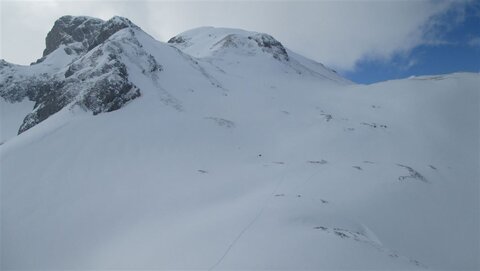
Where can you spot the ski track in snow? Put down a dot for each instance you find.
(250, 224)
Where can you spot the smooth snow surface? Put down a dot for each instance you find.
(239, 162)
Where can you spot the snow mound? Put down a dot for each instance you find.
(210, 41)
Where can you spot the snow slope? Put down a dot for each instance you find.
(11, 117)
(235, 159)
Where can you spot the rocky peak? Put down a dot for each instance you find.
(95, 79)
(85, 31)
(69, 29)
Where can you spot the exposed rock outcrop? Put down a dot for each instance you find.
(97, 79)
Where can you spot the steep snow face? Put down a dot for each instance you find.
(237, 162)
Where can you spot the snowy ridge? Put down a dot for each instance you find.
(236, 46)
(84, 64)
(202, 154)
(208, 41)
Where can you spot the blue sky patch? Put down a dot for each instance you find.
(456, 50)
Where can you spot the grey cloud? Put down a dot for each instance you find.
(338, 34)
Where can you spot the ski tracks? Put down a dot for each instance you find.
(249, 225)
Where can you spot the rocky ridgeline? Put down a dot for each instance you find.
(85, 63)
(96, 79)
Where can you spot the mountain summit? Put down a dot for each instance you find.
(223, 149)
(82, 33)
(79, 66)
(84, 63)
(207, 41)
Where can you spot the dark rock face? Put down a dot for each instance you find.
(111, 92)
(49, 99)
(105, 89)
(14, 86)
(270, 45)
(88, 32)
(70, 29)
(107, 96)
(176, 39)
(109, 28)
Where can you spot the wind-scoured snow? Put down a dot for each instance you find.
(231, 158)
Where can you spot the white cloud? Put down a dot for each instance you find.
(338, 34)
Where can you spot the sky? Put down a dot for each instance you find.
(365, 41)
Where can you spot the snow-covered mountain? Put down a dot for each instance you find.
(222, 149)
